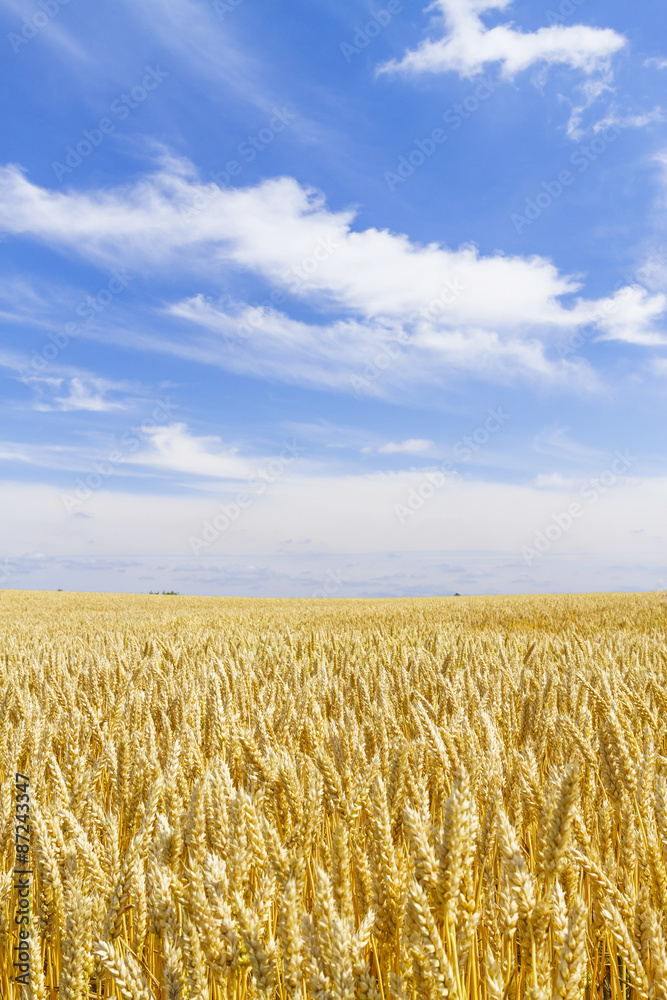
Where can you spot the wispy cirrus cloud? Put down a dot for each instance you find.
(636, 120)
(89, 394)
(70, 390)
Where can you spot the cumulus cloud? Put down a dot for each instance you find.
(284, 232)
(379, 302)
(172, 447)
(632, 315)
(467, 46)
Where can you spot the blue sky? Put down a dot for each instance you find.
(359, 299)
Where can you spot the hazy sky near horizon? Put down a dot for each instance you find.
(346, 298)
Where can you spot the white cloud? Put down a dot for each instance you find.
(591, 90)
(88, 394)
(165, 448)
(373, 292)
(629, 121)
(69, 389)
(631, 316)
(46, 456)
(468, 46)
(344, 514)
(285, 233)
(557, 443)
(554, 481)
(413, 446)
(367, 357)
(266, 342)
(172, 447)
(10, 453)
(20, 302)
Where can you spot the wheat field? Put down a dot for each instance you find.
(333, 799)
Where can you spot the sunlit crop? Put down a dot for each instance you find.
(461, 797)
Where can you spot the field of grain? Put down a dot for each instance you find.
(461, 797)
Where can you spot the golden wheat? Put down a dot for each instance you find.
(438, 798)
